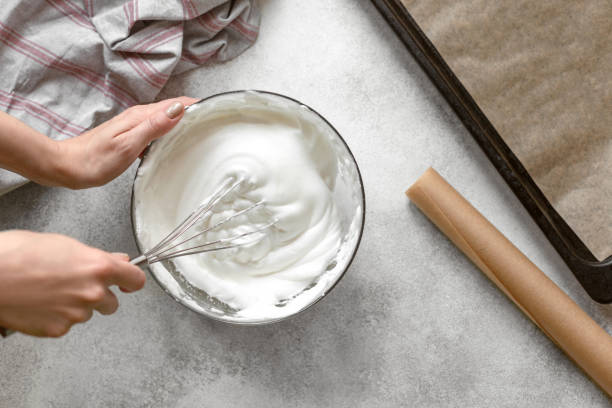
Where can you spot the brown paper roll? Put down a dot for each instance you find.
(558, 316)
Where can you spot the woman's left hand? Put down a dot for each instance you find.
(103, 153)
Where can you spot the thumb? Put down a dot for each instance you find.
(157, 124)
(122, 257)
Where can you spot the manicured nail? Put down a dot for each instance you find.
(174, 110)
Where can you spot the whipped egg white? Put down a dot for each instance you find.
(284, 162)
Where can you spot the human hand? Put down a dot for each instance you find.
(103, 153)
(50, 282)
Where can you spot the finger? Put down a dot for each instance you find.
(88, 316)
(109, 303)
(132, 117)
(185, 100)
(127, 276)
(56, 327)
(151, 108)
(154, 126)
(188, 100)
(78, 315)
(121, 256)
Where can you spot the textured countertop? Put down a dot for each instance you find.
(412, 323)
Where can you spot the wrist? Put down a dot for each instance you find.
(48, 167)
(61, 166)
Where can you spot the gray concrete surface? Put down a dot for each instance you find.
(412, 323)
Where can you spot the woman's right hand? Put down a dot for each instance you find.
(49, 282)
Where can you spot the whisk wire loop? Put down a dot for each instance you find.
(168, 248)
(197, 214)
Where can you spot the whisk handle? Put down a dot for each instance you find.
(138, 260)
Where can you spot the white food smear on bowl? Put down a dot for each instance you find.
(285, 160)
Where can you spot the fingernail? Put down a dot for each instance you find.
(121, 255)
(174, 110)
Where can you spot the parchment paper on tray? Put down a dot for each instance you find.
(541, 72)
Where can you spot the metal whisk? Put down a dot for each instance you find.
(170, 246)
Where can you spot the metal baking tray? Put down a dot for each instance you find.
(594, 276)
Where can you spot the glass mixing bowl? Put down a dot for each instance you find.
(349, 197)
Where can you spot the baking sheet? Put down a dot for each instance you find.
(540, 72)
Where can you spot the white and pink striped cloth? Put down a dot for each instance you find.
(68, 65)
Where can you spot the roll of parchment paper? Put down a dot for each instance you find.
(558, 316)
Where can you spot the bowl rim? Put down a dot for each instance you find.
(340, 276)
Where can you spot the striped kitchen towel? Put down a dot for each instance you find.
(68, 65)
